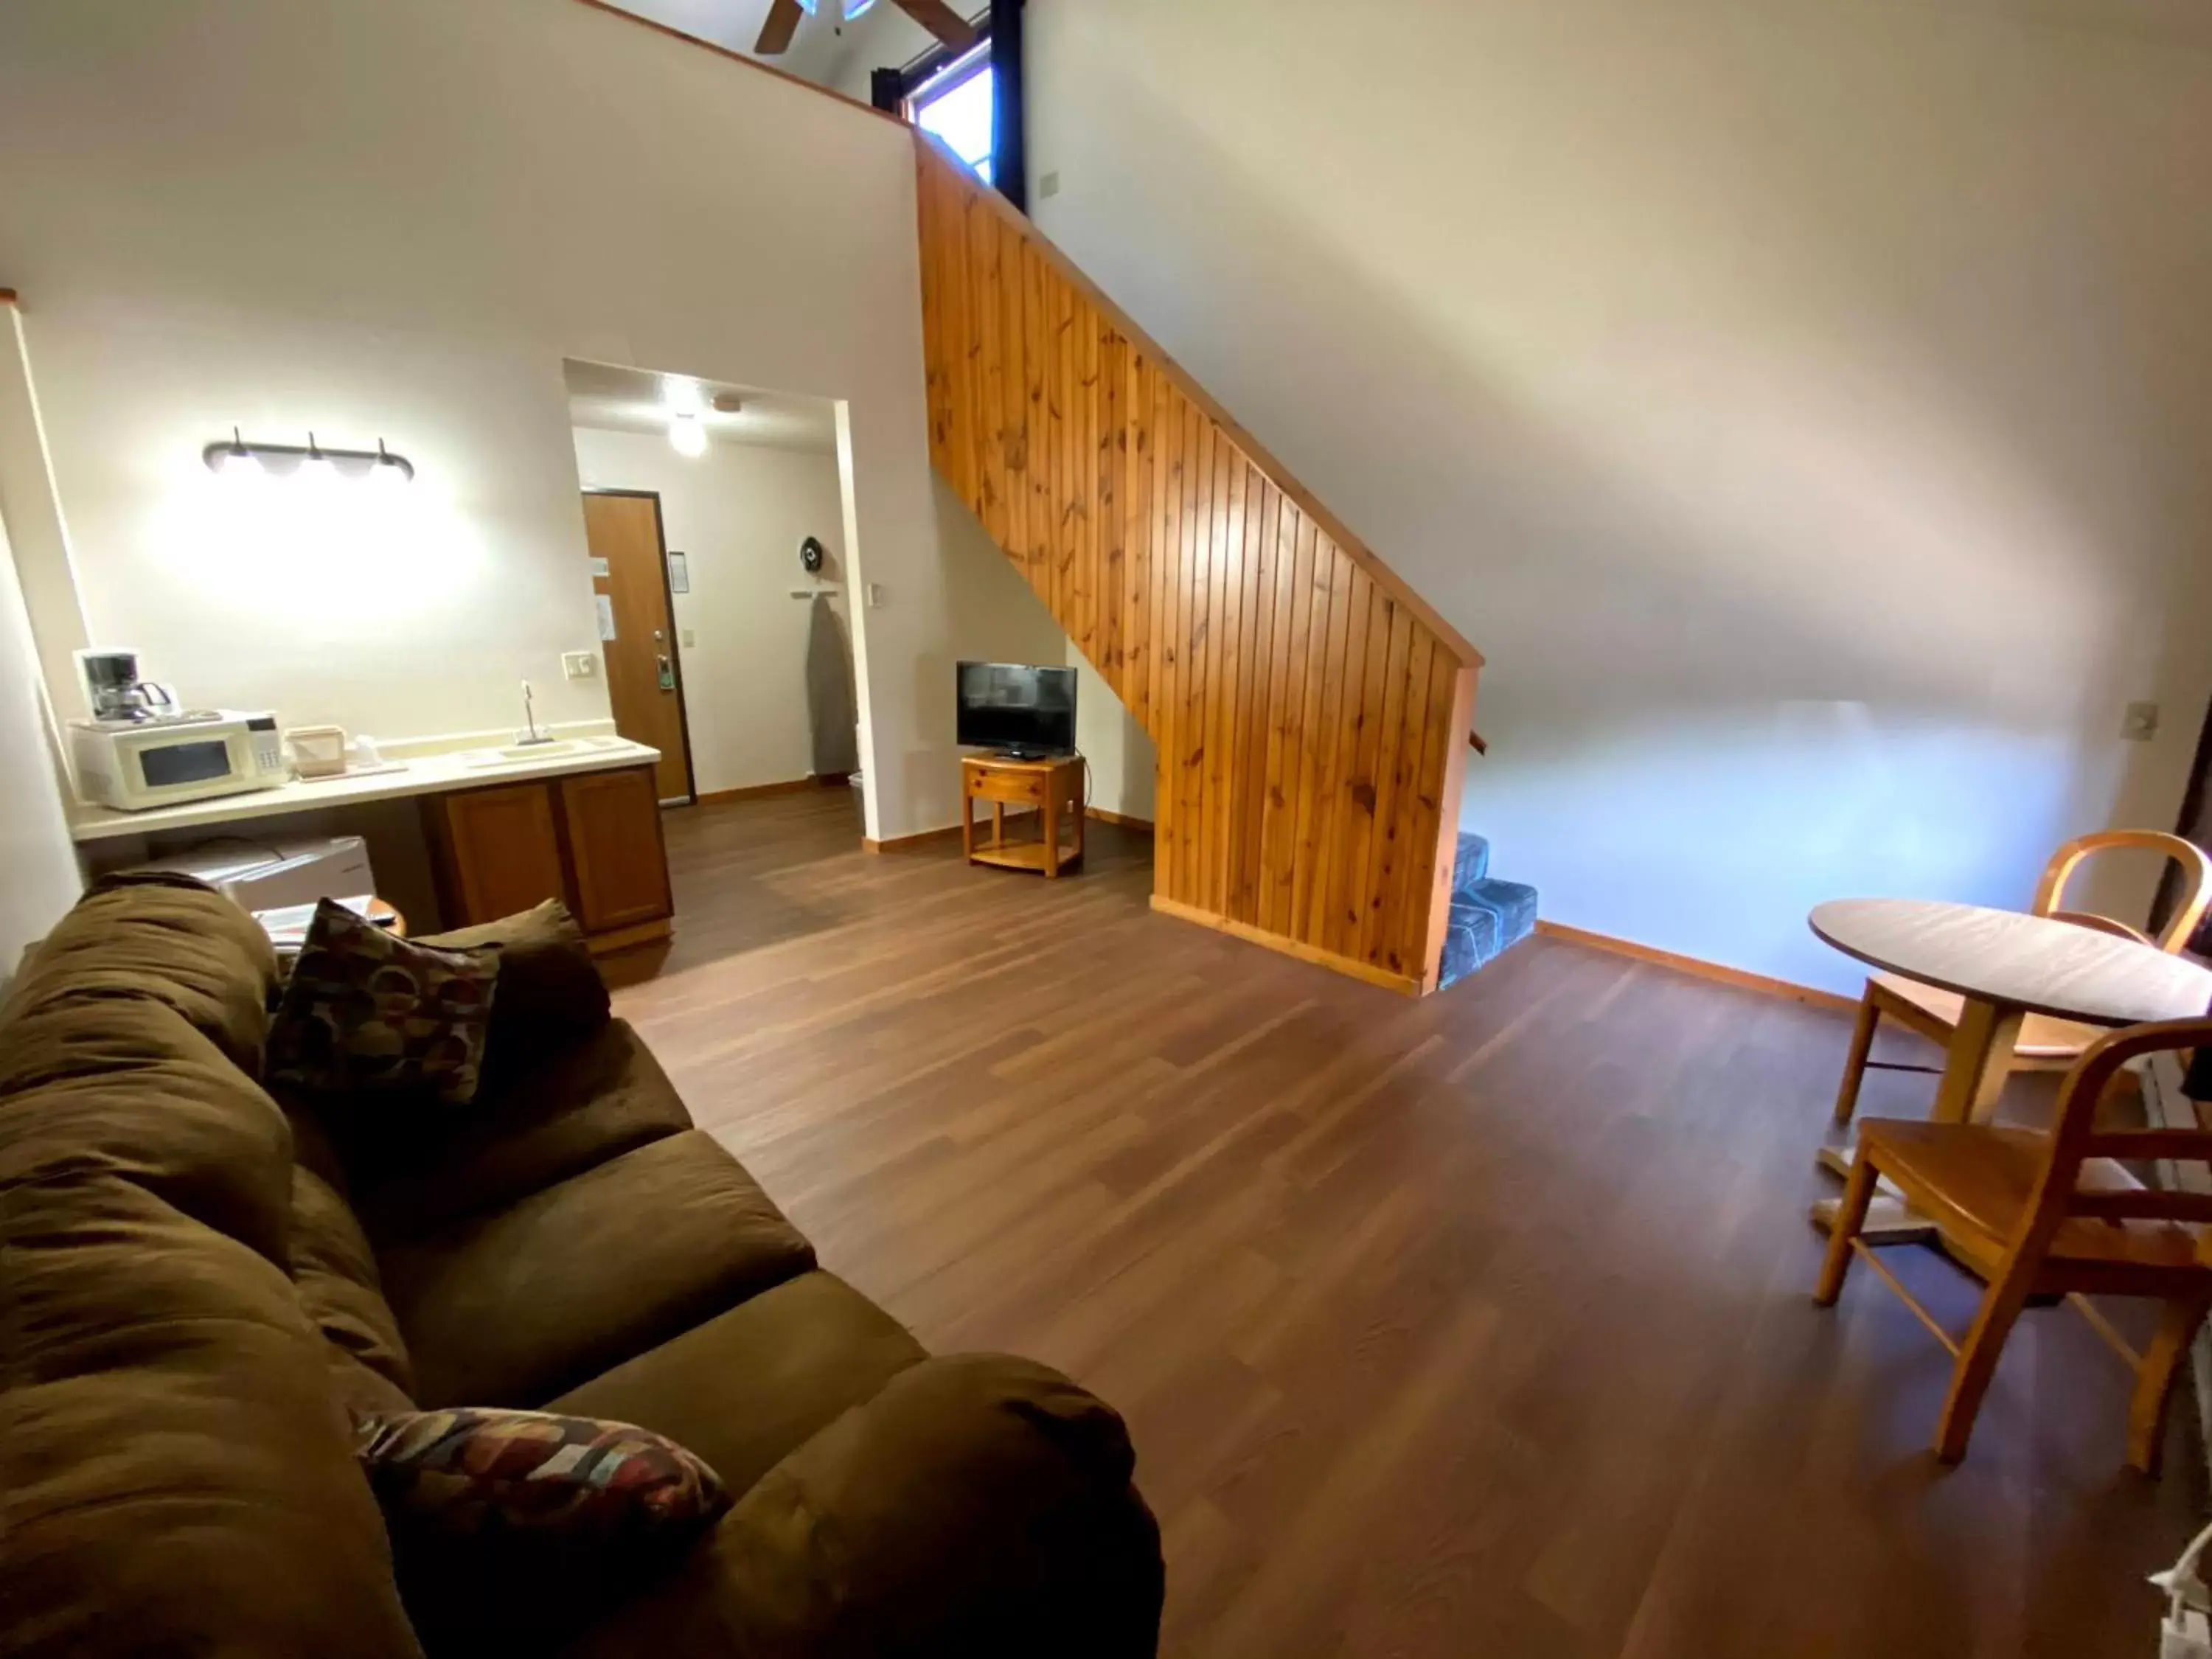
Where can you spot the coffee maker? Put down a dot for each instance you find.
(117, 695)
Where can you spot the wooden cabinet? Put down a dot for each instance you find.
(501, 849)
(591, 840)
(614, 851)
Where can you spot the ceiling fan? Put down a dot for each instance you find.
(939, 18)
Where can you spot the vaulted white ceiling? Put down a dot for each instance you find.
(827, 51)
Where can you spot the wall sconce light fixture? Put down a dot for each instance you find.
(236, 455)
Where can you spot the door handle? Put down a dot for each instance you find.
(667, 675)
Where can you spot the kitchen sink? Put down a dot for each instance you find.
(561, 749)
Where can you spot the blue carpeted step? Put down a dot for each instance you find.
(1472, 864)
(1488, 919)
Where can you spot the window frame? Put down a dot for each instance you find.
(944, 80)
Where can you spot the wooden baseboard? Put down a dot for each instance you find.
(628, 938)
(910, 843)
(1401, 983)
(1127, 822)
(788, 787)
(1698, 966)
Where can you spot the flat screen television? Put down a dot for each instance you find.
(1017, 709)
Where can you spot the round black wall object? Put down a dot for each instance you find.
(811, 554)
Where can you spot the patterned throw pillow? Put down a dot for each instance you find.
(367, 1010)
(480, 1471)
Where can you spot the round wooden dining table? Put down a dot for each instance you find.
(2007, 965)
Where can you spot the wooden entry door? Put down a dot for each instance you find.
(644, 676)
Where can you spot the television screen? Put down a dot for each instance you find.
(1018, 708)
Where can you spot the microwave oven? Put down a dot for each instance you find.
(134, 766)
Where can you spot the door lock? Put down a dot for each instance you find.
(667, 675)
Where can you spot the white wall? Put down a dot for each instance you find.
(397, 221)
(1805, 407)
(993, 615)
(38, 865)
(1124, 761)
(738, 513)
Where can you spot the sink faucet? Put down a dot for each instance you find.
(530, 733)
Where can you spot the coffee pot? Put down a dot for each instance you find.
(116, 693)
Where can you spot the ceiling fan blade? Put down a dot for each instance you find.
(941, 21)
(782, 23)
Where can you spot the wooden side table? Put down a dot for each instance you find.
(1054, 788)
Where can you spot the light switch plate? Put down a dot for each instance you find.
(1048, 185)
(875, 596)
(2141, 723)
(580, 665)
(690, 637)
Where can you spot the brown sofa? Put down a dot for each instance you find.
(197, 1284)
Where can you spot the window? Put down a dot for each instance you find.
(960, 106)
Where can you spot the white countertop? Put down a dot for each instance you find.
(431, 774)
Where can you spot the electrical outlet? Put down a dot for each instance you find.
(579, 665)
(2141, 723)
(1048, 185)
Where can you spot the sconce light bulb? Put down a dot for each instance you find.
(234, 459)
(388, 471)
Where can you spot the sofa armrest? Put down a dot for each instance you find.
(979, 1506)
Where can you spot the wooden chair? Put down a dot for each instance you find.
(2045, 1044)
(2039, 1215)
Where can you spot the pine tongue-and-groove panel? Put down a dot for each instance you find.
(1310, 711)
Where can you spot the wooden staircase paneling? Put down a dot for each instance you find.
(1311, 712)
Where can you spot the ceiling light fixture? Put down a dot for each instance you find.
(687, 436)
(852, 9)
(236, 455)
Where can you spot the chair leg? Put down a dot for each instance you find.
(1977, 1364)
(1850, 1216)
(2161, 1362)
(1847, 1093)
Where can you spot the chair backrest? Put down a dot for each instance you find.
(2075, 1136)
(2195, 895)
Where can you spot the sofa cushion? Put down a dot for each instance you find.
(550, 994)
(603, 1098)
(336, 1272)
(510, 1309)
(749, 1385)
(979, 1505)
(369, 1013)
(162, 939)
(132, 1087)
(175, 1474)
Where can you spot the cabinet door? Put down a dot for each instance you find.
(614, 842)
(501, 849)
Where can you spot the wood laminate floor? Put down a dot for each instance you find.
(1476, 1326)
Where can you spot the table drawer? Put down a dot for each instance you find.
(1005, 786)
